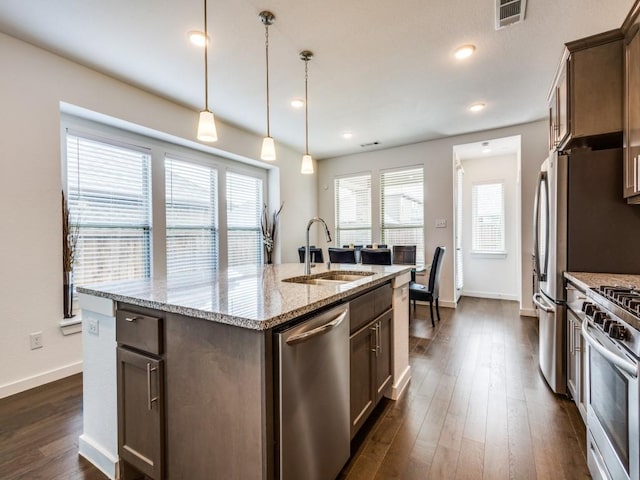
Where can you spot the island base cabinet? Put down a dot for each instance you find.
(371, 368)
(141, 415)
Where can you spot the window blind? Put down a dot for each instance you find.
(244, 208)
(488, 218)
(459, 251)
(402, 208)
(109, 195)
(353, 210)
(192, 224)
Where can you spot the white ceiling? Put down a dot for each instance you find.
(383, 70)
(491, 147)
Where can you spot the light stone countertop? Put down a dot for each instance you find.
(251, 296)
(586, 280)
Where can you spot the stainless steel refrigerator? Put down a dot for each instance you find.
(581, 224)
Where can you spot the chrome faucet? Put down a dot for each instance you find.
(307, 253)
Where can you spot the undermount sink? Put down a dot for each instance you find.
(329, 278)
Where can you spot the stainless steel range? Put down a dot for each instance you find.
(611, 328)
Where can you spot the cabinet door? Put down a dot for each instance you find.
(553, 119)
(140, 412)
(632, 113)
(362, 394)
(383, 358)
(563, 99)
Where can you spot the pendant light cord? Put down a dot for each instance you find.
(206, 60)
(306, 106)
(266, 52)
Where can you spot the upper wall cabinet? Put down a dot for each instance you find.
(585, 102)
(631, 27)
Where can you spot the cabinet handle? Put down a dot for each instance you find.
(380, 337)
(374, 348)
(150, 399)
(635, 174)
(132, 319)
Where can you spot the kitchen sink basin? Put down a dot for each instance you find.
(335, 277)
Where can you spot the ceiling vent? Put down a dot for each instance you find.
(509, 12)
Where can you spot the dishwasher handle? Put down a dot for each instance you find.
(302, 337)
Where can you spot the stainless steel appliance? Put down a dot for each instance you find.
(611, 323)
(313, 395)
(582, 224)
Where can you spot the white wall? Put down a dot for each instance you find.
(32, 85)
(436, 157)
(491, 276)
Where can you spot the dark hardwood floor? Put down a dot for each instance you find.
(476, 408)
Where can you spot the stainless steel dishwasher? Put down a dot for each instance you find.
(313, 395)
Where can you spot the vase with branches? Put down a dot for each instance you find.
(269, 225)
(69, 242)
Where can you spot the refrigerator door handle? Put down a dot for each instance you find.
(539, 301)
(542, 275)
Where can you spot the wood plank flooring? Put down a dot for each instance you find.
(476, 408)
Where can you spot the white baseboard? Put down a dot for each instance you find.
(495, 296)
(40, 379)
(401, 384)
(528, 312)
(98, 456)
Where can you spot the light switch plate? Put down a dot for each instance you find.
(441, 223)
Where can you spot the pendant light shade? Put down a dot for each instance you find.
(307, 162)
(268, 151)
(206, 124)
(268, 145)
(207, 127)
(307, 165)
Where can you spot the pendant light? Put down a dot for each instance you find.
(268, 151)
(206, 124)
(307, 162)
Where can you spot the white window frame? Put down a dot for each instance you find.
(420, 254)
(338, 229)
(161, 148)
(476, 249)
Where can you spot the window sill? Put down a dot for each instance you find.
(70, 326)
(489, 255)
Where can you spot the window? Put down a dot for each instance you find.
(353, 210)
(109, 193)
(244, 209)
(402, 208)
(488, 218)
(192, 226)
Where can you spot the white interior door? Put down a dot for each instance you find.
(459, 265)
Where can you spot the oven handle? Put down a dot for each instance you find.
(630, 368)
(540, 303)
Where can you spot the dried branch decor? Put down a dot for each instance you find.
(269, 224)
(69, 237)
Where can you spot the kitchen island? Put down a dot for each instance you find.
(214, 347)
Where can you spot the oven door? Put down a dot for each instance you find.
(612, 408)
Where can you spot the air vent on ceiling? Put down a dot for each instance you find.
(509, 12)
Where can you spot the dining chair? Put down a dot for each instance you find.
(315, 252)
(431, 292)
(404, 254)
(375, 256)
(342, 255)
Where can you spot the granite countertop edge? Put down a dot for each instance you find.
(243, 322)
(587, 280)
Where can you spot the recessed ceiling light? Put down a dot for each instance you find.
(465, 51)
(347, 135)
(297, 103)
(486, 150)
(476, 107)
(196, 37)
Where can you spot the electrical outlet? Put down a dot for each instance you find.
(36, 340)
(441, 223)
(93, 326)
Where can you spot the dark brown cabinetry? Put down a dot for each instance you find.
(140, 395)
(371, 356)
(585, 101)
(632, 107)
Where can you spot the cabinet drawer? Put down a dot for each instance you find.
(382, 299)
(361, 310)
(139, 331)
